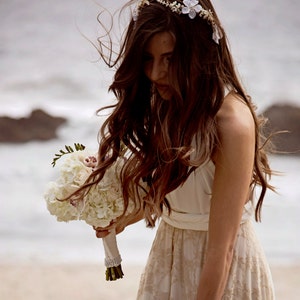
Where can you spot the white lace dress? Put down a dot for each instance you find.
(178, 251)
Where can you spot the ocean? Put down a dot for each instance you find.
(46, 61)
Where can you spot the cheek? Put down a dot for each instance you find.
(147, 69)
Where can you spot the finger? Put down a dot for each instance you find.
(110, 226)
(102, 233)
(119, 229)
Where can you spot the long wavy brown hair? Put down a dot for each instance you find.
(158, 133)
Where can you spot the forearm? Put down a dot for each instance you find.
(233, 175)
(214, 275)
(136, 218)
(119, 224)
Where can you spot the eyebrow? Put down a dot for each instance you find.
(163, 54)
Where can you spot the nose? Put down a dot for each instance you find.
(157, 71)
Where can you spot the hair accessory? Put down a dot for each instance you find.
(190, 7)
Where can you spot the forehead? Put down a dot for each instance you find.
(162, 42)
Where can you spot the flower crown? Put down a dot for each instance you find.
(190, 7)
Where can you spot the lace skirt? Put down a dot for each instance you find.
(177, 257)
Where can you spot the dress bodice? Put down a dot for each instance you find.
(194, 195)
(190, 202)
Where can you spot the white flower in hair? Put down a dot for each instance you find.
(192, 7)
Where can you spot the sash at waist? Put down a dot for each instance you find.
(199, 222)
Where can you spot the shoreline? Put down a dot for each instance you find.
(36, 281)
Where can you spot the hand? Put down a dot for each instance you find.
(102, 232)
(118, 224)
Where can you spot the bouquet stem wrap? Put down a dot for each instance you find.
(112, 257)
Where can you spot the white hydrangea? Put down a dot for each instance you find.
(63, 210)
(102, 204)
(72, 175)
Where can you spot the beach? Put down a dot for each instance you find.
(87, 282)
(43, 259)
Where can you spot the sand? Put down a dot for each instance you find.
(86, 282)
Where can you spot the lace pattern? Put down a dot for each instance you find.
(177, 257)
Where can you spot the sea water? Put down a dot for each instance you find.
(45, 62)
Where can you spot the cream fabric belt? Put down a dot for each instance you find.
(198, 221)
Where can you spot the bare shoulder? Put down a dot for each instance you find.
(236, 133)
(234, 119)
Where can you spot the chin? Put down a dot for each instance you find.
(165, 96)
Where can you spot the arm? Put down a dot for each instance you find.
(233, 173)
(119, 225)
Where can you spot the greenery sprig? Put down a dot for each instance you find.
(114, 273)
(68, 149)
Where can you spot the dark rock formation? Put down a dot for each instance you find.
(284, 117)
(38, 126)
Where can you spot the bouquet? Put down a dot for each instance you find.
(99, 207)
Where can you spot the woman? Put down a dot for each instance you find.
(193, 135)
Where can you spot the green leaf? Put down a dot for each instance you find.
(79, 147)
(69, 149)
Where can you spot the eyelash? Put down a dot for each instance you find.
(168, 59)
(147, 58)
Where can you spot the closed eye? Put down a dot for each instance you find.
(167, 58)
(147, 57)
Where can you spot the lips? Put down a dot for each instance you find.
(164, 91)
(162, 86)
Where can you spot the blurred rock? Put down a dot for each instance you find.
(284, 117)
(38, 126)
